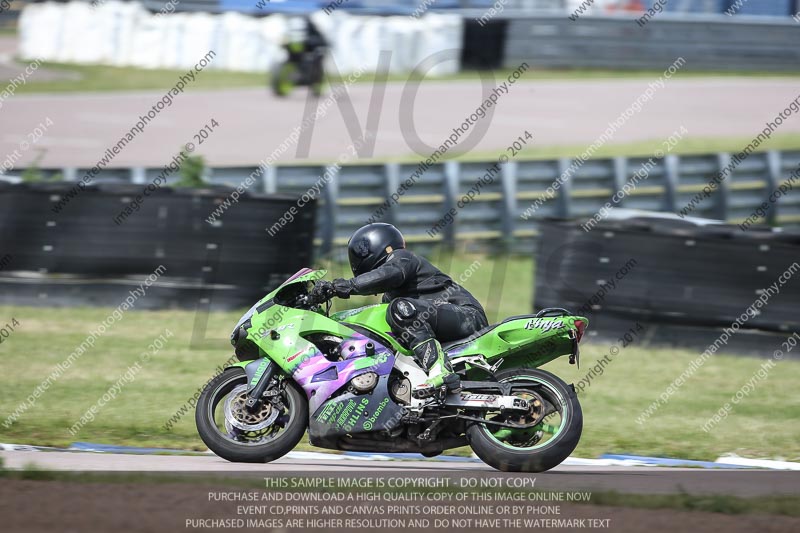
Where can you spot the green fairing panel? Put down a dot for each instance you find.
(520, 344)
(290, 348)
(282, 318)
(373, 318)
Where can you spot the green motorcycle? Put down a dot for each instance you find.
(345, 379)
(302, 68)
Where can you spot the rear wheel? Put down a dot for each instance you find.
(555, 421)
(317, 77)
(317, 88)
(238, 435)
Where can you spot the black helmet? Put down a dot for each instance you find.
(371, 244)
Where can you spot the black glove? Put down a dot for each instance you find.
(323, 291)
(343, 287)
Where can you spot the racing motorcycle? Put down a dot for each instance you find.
(345, 379)
(303, 68)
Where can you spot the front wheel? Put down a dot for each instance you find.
(241, 436)
(555, 420)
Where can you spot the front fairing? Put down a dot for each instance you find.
(281, 334)
(284, 335)
(305, 275)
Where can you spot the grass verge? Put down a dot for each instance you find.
(643, 148)
(100, 78)
(103, 78)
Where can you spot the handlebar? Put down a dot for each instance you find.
(307, 300)
(313, 298)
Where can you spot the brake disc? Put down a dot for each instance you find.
(238, 416)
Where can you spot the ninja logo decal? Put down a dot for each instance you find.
(544, 324)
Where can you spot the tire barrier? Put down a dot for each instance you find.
(79, 256)
(508, 214)
(673, 273)
(126, 34)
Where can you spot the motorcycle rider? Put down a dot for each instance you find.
(425, 305)
(303, 35)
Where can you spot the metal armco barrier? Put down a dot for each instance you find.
(672, 273)
(498, 214)
(711, 42)
(80, 256)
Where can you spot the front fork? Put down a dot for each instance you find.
(258, 379)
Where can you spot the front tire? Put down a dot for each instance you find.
(287, 437)
(512, 456)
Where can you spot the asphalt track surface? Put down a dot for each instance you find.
(651, 480)
(253, 123)
(205, 490)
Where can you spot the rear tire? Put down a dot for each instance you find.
(539, 459)
(317, 81)
(235, 452)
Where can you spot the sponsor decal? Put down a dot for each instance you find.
(259, 371)
(292, 358)
(371, 420)
(359, 412)
(467, 397)
(544, 324)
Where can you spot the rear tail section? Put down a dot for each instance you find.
(527, 341)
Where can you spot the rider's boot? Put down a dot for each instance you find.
(440, 373)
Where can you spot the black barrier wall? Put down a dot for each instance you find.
(713, 42)
(87, 254)
(673, 273)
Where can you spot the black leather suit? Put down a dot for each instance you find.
(424, 302)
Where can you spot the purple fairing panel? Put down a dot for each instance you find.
(301, 272)
(320, 391)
